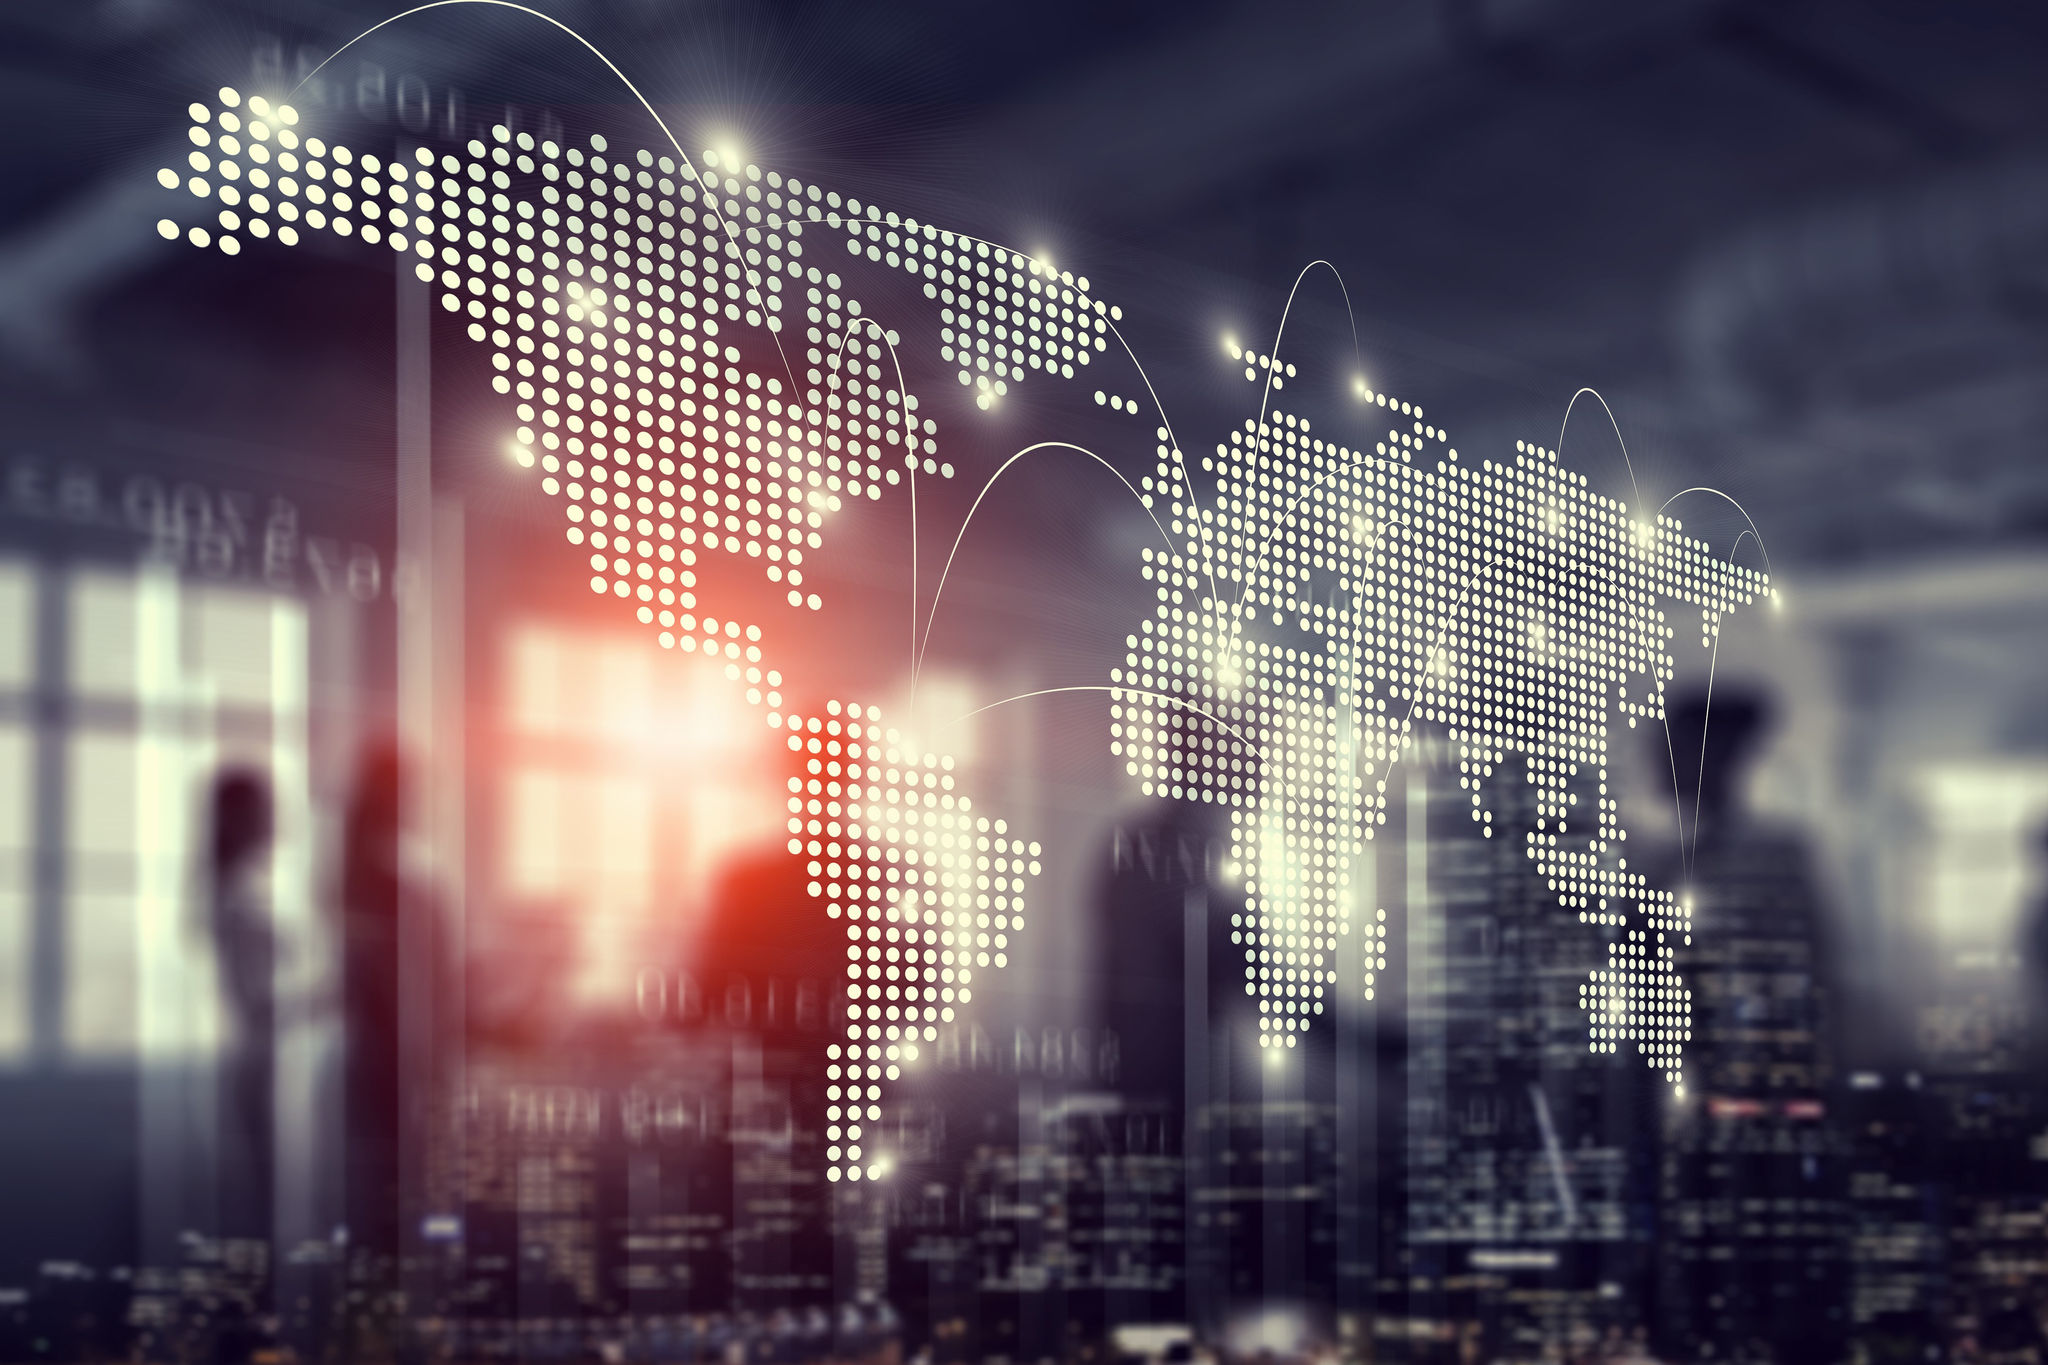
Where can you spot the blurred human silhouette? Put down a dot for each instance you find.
(765, 926)
(388, 1074)
(370, 888)
(245, 946)
(771, 963)
(1753, 1205)
(1713, 742)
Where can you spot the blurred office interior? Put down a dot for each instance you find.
(256, 516)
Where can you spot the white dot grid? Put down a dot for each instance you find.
(1116, 402)
(1355, 593)
(666, 443)
(1001, 314)
(602, 292)
(929, 892)
(998, 320)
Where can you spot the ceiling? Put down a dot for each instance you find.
(1801, 248)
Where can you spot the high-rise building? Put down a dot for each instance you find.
(673, 1247)
(1897, 1252)
(1753, 1212)
(783, 1247)
(1266, 1207)
(1052, 1230)
(1975, 1048)
(1528, 1159)
(531, 1225)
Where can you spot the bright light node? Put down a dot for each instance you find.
(1231, 348)
(1360, 387)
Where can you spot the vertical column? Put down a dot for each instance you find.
(1867, 661)
(176, 1107)
(1357, 1023)
(413, 596)
(292, 915)
(1194, 1094)
(51, 712)
(1038, 1325)
(445, 778)
(760, 1245)
(1283, 1215)
(1427, 1123)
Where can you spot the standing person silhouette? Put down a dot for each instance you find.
(370, 889)
(1753, 1204)
(393, 1050)
(245, 946)
(401, 1030)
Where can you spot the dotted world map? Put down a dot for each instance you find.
(1314, 606)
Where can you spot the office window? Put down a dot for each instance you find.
(137, 969)
(17, 627)
(162, 686)
(17, 901)
(1983, 823)
(630, 778)
(581, 836)
(17, 807)
(582, 686)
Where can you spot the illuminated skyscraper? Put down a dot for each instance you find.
(531, 1220)
(1266, 1207)
(1057, 1235)
(1897, 1249)
(1753, 1214)
(1984, 1092)
(1528, 1179)
(672, 1245)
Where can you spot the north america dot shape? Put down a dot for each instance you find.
(634, 306)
